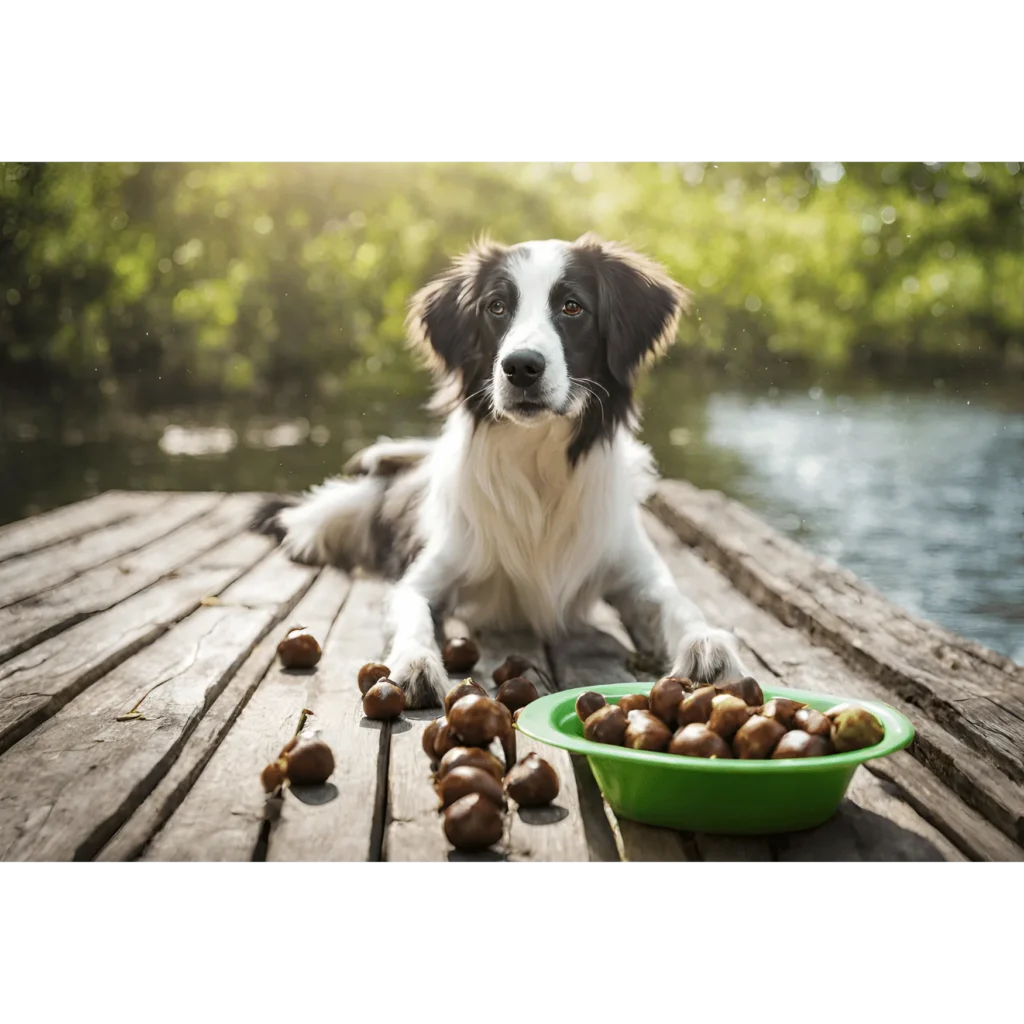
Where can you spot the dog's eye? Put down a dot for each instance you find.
(497, 308)
(572, 308)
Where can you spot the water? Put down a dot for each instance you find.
(920, 492)
(921, 496)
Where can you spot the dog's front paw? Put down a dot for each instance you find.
(707, 655)
(420, 672)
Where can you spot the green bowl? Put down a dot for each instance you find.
(695, 794)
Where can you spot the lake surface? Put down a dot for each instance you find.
(920, 492)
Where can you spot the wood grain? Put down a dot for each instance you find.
(347, 827)
(86, 771)
(61, 524)
(871, 825)
(937, 804)
(973, 692)
(21, 578)
(217, 772)
(880, 798)
(117, 587)
(30, 622)
(592, 658)
(37, 683)
(557, 832)
(414, 830)
(787, 654)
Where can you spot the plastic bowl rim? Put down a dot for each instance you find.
(537, 722)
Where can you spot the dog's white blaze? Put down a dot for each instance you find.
(535, 268)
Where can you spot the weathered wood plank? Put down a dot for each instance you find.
(871, 825)
(92, 778)
(37, 683)
(679, 501)
(937, 804)
(592, 658)
(880, 798)
(80, 775)
(602, 842)
(868, 816)
(21, 578)
(349, 826)
(36, 619)
(61, 524)
(971, 691)
(235, 739)
(786, 653)
(554, 833)
(414, 830)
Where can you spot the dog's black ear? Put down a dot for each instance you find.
(442, 316)
(639, 306)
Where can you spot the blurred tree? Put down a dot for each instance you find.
(223, 279)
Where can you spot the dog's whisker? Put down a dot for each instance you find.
(478, 391)
(589, 395)
(588, 380)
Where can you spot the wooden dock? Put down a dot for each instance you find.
(140, 697)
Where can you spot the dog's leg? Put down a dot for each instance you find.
(388, 457)
(413, 607)
(664, 622)
(330, 524)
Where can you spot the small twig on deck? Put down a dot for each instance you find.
(272, 807)
(134, 713)
(302, 721)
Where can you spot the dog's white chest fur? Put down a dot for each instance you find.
(534, 535)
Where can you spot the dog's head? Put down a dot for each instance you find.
(543, 329)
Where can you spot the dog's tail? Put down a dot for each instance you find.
(344, 521)
(265, 519)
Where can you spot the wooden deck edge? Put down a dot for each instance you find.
(972, 692)
(679, 497)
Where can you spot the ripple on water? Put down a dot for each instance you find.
(924, 500)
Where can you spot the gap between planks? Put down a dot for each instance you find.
(414, 830)
(973, 692)
(785, 654)
(35, 620)
(38, 532)
(34, 574)
(85, 771)
(262, 675)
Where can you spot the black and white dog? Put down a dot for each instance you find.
(526, 510)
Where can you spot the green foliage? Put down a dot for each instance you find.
(241, 278)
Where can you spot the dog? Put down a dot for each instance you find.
(525, 511)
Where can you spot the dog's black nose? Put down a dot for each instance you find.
(523, 368)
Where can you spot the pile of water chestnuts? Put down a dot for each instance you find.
(730, 719)
(474, 785)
